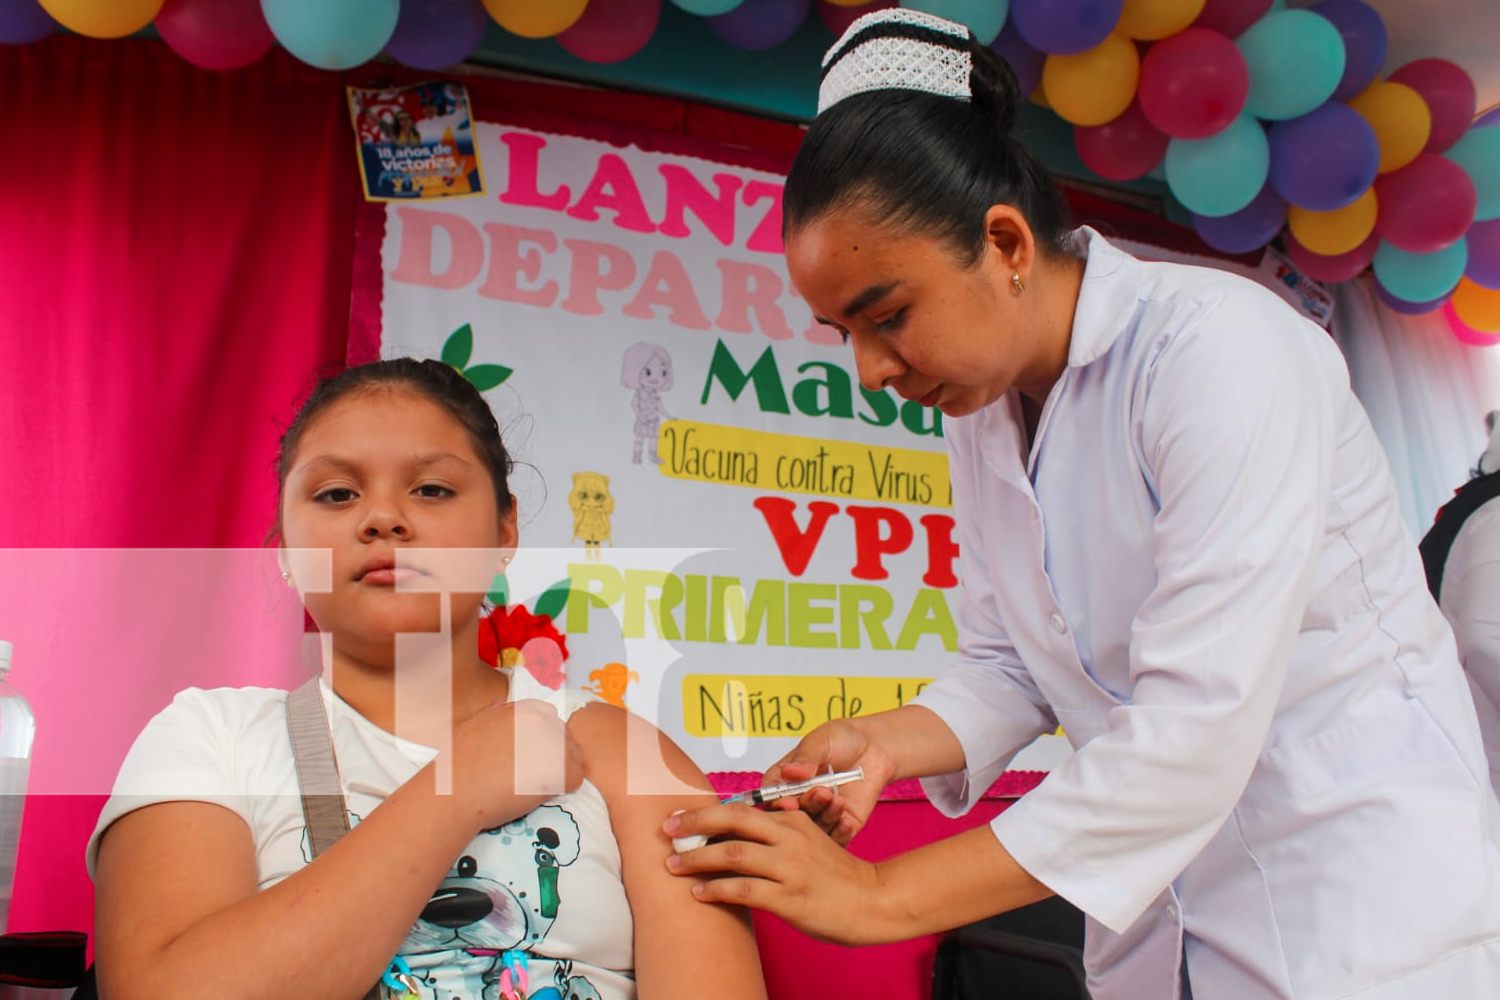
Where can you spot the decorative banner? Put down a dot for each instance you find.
(737, 539)
(416, 142)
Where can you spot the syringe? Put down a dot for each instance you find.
(759, 796)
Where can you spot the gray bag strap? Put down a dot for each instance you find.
(317, 767)
(318, 778)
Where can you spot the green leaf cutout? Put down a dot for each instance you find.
(499, 594)
(486, 377)
(551, 601)
(459, 347)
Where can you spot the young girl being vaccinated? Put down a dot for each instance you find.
(494, 849)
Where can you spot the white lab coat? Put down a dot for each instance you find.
(1201, 573)
(1471, 601)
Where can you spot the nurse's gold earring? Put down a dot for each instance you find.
(1015, 279)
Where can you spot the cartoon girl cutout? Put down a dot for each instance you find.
(592, 504)
(647, 369)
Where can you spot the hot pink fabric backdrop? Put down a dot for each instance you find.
(174, 265)
(175, 260)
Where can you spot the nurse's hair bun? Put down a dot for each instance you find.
(903, 49)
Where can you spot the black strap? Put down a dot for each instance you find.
(43, 959)
(1438, 541)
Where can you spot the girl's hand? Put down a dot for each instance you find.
(510, 757)
(838, 746)
(781, 862)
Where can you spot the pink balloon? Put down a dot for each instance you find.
(1123, 149)
(1193, 84)
(1340, 267)
(1426, 205)
(1465, 333)
(839, 18)
(611, 30)
(215, 34)
(1449, 94)
(1231, 17)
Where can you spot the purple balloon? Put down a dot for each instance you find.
(760, 24)
(23, 22)
(1248, 229)
(1491, 117)
(1325, 159)
(1365, 42)
(1483, 267)
(437, 34)
(1404, 307)
(1025, 61)
(1065, 27)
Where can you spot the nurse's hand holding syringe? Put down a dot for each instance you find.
(771, 793)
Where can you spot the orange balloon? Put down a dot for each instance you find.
(1336, 232)
(1477, 306)
(1150, 20)
(1400, 118)
(1096, 86)
(535, 18)
(103, 18)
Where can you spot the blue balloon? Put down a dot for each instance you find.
(1404, 307)
(983, 17)
(1295, 59)
(760, 24)
(1483, 267)
(1324, 160)
(1221, 174)
(437, 34)
(1065, 27)
(1025, 61)
(1365, 42)
(1420, 277)
(1478, 152)
(23, 22)
(1251, 228)
(332, 34)
(708, 8)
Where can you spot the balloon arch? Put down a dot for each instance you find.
(1264, 121)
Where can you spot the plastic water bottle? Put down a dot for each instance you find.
(17, 729)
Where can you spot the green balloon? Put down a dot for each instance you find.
(1420, 277)
(1221, 174)
(1478, 152)
(1296, 60)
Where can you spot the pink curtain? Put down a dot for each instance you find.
(175, 251)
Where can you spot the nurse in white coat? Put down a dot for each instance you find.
(1179, 540)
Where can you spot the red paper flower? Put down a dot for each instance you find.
(508, 636)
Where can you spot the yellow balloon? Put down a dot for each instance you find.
(1335, 232)
(1401, 119)
(103, 18)
(1477, 306)
(1152, 19)
(535, 18)
(1096, 86)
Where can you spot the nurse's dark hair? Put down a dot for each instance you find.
(928, 164)
(434, 381)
